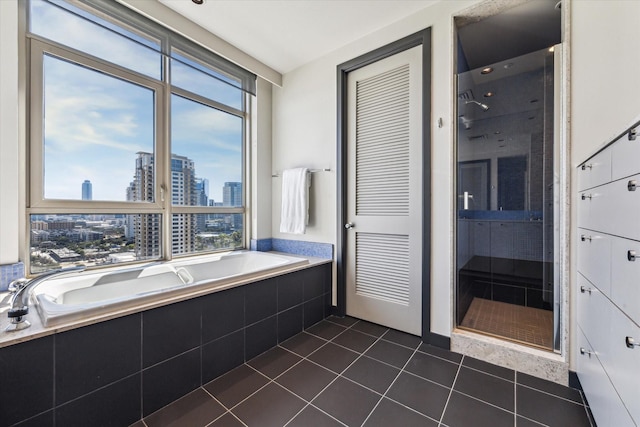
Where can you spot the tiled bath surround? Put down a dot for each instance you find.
(10, 272)
(118, 371)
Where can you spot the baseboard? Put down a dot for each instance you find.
(574, 381)
(437, 340)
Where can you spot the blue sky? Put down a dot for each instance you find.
(95, 123)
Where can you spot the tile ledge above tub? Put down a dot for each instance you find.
(303, 248)
(38, 330)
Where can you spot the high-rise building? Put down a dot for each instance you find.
(202, 194)
(183, 192)
(147, 227)
(87, 190)
(232, 194)
(202, 191)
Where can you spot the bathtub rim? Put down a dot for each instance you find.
(38, 330)
(55, 314)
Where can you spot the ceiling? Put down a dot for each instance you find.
(285, 34)
(516, 30)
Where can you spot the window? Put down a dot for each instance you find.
(137, 139)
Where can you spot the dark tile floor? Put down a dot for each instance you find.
(346, 372)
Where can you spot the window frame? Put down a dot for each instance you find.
(36, 203)
(36, 200)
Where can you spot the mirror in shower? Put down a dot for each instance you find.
(505, 200)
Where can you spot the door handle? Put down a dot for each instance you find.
(631, 343)
(632, 185)
(631, 255)
(349, 225)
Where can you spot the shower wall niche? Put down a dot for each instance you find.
(505, 200)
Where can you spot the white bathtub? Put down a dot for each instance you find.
(77, 296)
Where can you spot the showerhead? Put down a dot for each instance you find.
(484, 107)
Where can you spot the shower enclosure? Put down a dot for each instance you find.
(506, 201)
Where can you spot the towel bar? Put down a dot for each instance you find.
(310, 170)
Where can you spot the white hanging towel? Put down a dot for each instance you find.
(295, 200)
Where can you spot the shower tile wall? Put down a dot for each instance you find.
(141, 362)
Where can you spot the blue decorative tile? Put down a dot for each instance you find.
(10, 272)
(299, 247)
(261, 245)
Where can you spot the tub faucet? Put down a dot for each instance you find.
(20, 300)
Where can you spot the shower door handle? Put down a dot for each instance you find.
(466, 196)
(586, 352)
(631, 343)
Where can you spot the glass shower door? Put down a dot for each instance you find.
(505, 201)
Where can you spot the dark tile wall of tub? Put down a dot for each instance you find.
(118, 371)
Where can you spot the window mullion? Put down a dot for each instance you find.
(163, 150)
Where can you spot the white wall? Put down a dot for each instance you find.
(304, 134)
(261, 132)
(9, 170)
(605, 67)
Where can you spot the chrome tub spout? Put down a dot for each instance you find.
(20, 299)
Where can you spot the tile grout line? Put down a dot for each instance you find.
(340, 373)
(291, 367)
(586, 408)
(485, 402)
(308, 404)
(515, 398)
(227, 411)
(551, 394)
(383, 362)
(392, 383)
(490, 374)
(444, 409)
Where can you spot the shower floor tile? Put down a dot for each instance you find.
(527, 325)
(308, 381)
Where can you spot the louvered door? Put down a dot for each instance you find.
(384, 271)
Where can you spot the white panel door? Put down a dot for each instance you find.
(384, 212)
